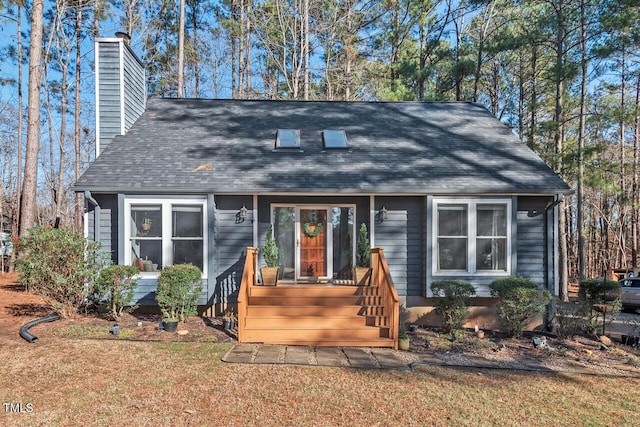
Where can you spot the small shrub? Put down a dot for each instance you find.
(270, 249)
(598, 291)
(504, 285)
(568, 321)
(116, 285)
(179, 288)
(363, 247)
(403, 321)
(451, 302)
(520, 301)
(60, 265)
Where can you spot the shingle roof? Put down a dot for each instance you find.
(421, 148)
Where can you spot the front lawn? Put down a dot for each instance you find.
(71, 381)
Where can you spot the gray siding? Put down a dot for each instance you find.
(113, 85)
(106, 231)
(134, 89)
(232, 237)
(402, 237)
(108, 91)
(531, 247)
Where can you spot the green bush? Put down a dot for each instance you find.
(116, 285)
(598, 291)
(451, 302)
(403, 322)
(502, 286)
(60, 265)
(520, 301)
(270, 249)
(363, 247)
(179, 288)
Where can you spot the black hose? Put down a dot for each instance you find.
(24, 330)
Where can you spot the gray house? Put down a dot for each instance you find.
(444, 188)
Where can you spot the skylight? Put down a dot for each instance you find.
(288, 138)
(335, 139)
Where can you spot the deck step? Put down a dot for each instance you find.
(266, 335)
(316, 315)
(293, 311)
(306, 322)
(379, 342)
(309, 291)
(293, 300)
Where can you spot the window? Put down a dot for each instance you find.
(165, 232)
(335, 139)
(288, 138)
(471, 236)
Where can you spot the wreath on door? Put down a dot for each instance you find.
(312, 220)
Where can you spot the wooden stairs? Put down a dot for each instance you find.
(317, 315)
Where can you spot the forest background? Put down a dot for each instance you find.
(564, 75)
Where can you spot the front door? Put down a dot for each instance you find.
(313, 246)
(315, 242)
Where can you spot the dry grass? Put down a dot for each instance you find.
(72, 382)
(69, 380)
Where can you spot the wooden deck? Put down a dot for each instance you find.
(319, 315)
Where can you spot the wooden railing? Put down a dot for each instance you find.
(249, 278)
(381, 277)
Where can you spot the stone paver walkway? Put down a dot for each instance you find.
(348, 357)
(384, 358)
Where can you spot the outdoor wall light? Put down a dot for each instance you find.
(382, 213)
(241, 215)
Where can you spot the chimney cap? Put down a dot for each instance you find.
(124, 36)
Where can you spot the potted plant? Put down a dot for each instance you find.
(361, 273)
(403, 328)
(146, 224)
(179, 288)
(229, 321)
(270, 255)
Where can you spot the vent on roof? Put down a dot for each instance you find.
(288, 138)
(335, 139)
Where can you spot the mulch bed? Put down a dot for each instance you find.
(143, 327)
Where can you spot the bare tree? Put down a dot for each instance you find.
(181, 48)
(77, 124)
(28, 201)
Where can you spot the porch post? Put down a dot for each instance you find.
(372, 220)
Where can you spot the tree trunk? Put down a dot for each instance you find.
(623, 167)
(97, 12)
(15, 226)
(28, 202)
(581, 138)
(78, 205)
(559, 147)
(635, 217)
(181, 49)
(305, 48)
(247, 50)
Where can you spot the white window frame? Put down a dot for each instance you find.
(471, 204)
(167, 238)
